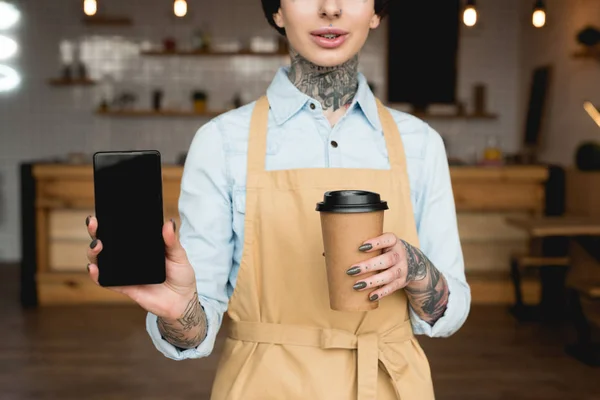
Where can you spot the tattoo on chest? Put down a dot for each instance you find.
(333, 87)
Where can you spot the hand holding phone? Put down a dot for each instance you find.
(166, 300)
(134, 252)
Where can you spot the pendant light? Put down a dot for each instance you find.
(8, 47)
(180, 8)
(470, 14)
(90, 7)
(9, 78)
(9, 15)
(539, 14)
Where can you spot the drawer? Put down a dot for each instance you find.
(65, 193)
(492, 256)
(80, 194)
(75, 288)
(489, 226)
(498, 196)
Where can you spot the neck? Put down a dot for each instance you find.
(333, 87)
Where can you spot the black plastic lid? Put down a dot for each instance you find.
(351, 201)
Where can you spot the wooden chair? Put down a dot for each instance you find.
(584, 302)
(523, 263)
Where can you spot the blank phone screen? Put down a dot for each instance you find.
(129, 209)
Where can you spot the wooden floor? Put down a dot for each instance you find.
(104, 353)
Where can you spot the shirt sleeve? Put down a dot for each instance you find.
(439, 239)
(206, 234)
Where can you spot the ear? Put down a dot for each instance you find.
(278, 18)
(375, 21)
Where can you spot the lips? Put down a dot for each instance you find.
(329, 38)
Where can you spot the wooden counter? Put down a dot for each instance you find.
(61, 196)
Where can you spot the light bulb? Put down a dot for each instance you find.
(470, 16)
(9, 15)
(90, 7)
(8, 47)
(539, 18)
(9, 78)
(180, 8)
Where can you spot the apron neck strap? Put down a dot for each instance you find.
(257, 141)
(395, 147)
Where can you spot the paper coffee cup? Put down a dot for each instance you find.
(348, 219)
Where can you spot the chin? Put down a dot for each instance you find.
(329, 58)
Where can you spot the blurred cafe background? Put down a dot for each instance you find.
(513, 86)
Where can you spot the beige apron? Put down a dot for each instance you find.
(285, 342)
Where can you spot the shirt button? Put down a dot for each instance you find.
(312, 106)
(334, 144)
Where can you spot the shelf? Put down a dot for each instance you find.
(214, 113)
(588, 53)
(107, 21)
(427, 116)
(163, 113)
(71, 82)
(457, 116)
(205, 53)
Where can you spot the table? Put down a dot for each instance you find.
(557, 226)
(553, 304)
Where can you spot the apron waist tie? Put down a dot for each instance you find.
(369, 345)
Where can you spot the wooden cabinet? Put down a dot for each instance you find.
(63, 195)
(484, 198)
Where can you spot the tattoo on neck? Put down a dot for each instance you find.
(430, 301)
(333, 87)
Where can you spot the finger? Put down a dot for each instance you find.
(93, 272)
(94, 249)
(388, 276)
(387, 289)
(382, 242)
(379, 263)
(92, 226)
(173, 248)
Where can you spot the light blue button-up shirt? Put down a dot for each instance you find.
(212, 198)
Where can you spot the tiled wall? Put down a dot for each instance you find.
(574, 80)
(39, 121)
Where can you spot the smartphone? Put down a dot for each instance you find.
(129, 206)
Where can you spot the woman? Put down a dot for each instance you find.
(250, 237)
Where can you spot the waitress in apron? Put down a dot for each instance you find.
(250, 241)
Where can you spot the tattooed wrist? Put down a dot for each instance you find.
(187, 331)
(418, 264)
(427, 289)
(334, 87)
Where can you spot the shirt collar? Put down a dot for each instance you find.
(286, 100)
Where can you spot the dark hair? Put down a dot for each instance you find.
(271, 7)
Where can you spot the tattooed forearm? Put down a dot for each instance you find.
(333, 87)
(189, 330)
(427, 289)
(417, 263)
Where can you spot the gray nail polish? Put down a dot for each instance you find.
(365, 247)
(174, 225)
(360, 285)
(353, 271)
(93, 244)
(87, 220)
(374, 297)
(88, 267)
